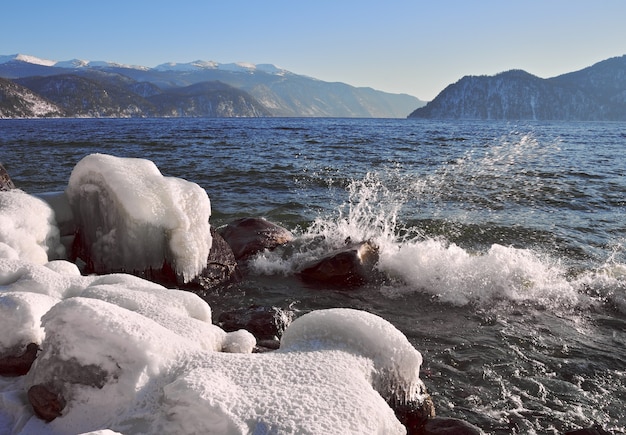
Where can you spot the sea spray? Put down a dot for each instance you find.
(454, 275)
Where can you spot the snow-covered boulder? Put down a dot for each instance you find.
(28, 228)
(131, 218)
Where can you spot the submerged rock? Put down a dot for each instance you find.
(447, 426)
(352, 265)
(5, 180)
(595, 430)
(247, 236)
(18, 365)
(265, 323)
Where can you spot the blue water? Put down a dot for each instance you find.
(502, 244)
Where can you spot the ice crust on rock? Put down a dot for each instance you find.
(131, 217)
(28, 227)
(130, 356)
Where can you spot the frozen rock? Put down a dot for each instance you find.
(28, 227)
(131, 218)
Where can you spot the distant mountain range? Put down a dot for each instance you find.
(596, 93)
(34, 87)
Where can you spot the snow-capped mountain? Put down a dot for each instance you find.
(259, 90)
(197, 65)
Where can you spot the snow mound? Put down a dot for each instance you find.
(28, 228)
(396, 361)
(131, 217)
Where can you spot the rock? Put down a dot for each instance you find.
(263, 346)
(46, 403)
(595, 430)
(352, 265)
(448, 426)
(5, 180)
(248, 236)
(265, 323)
(414, 414)
(221, 265)
(11, 365)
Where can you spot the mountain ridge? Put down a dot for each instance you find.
(594, 93)
(268, 90)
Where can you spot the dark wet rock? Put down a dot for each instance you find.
(595, 430)
(5, 180)
(414, 414)
(349, 266)
(46, 402)
(18, 365)
(263, 346)
(265, 323)
(247, 236)
(448, 426)
(221, 265)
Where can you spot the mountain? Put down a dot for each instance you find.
(244, 90)
(19, 102)
(594, 93)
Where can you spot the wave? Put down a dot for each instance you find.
(416, 263)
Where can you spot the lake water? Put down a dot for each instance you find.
(502, 245)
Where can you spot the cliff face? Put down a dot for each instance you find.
(19, 102)
(595, 93)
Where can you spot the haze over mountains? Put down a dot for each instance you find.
(33, 87)
(596, 93)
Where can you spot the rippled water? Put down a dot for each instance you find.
(502, 244)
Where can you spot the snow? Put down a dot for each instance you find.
(129, 356)
(28, 227)
(34, 60)
(134, 218)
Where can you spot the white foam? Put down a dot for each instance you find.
(454, 275)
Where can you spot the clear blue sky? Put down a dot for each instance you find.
(401, 46)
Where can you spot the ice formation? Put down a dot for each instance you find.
(131, 356)
(28, 228)
(133, 218)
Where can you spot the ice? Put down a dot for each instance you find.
(133, 218)
(130, 356)
(397, 362)
(240, 341)
(20, 313)
(28, 227)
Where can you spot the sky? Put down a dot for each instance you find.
(400, 46)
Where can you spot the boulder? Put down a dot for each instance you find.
(247, 236)
(448, 426)
(221, 265)
(414, 414)
(46, 403)
(18, 365)
(595, 430)
(265, 323)
(350, 266)
(5, 180)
